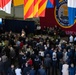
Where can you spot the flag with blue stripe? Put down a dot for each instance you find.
(71, 11)
(50, 4)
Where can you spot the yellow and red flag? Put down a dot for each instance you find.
(34, 8)
(42, 7)
(35, 12)
(28, 8)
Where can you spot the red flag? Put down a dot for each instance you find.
(5, 5)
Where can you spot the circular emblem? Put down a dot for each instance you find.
(61, 15)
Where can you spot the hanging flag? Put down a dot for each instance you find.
(5, 5)
(35, 12)
(34, 8)
(42, 7)
(28, 8)
(71, 11)
(18, 2)
(50, 4)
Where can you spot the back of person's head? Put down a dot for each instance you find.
(36, 56)
(65, 62)
(32, 67)
(17, 66)
(12, 66)
(72, 65)
(47, 55)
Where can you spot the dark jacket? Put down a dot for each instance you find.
(11, 71)
(1, 66)
(26, 70)
(32, 72)
(41, 72)
(47, 62)
(71, 71)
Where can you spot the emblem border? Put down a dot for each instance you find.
(59, 22)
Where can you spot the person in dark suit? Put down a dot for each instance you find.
(41, 71)
(72, 70)
(54, 63)
(32, 71)
(26, 69)
(47, 63)
(1, 67)
(37, 63)
(11, 70)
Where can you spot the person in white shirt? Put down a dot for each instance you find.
(41, 52)
(45, 47)
(71, 39)
(65, 69)
(18, 71)
(65, 57)
(54, 55)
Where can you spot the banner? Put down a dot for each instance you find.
(58, 16)
(5, 5)
(34, 8)
(50, 4)
(42, 8)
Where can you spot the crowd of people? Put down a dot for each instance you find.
(50, 30)
(37, 54)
